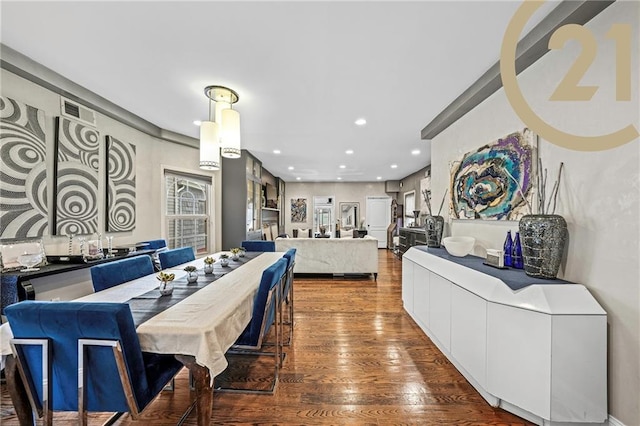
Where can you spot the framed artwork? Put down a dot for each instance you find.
(121, 186)
(76, 178)
(298, 210)
(496, 181)
(23, 200)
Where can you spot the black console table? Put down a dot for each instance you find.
(410, 237)
(25, 289)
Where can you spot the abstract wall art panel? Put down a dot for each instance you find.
(23, 173)
(489, 183)
(121, 186)
(76, 192)
(298, 210)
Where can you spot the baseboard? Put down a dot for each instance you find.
(615, 422)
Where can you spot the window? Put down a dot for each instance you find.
(187, 211)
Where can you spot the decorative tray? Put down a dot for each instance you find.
(65, 258)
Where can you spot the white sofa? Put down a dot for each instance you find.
(333, 255)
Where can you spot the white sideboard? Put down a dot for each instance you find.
(539, 352)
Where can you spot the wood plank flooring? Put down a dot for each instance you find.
(357, 358)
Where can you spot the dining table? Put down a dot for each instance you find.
(197, 323)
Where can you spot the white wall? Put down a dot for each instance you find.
(342, 191)
(599, 195)
(151, 155)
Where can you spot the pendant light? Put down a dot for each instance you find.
(209, 143)
(227, 121)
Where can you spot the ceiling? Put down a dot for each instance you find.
(304, 71)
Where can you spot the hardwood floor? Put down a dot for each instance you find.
(357, 358)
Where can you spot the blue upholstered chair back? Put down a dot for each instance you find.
(8, 291)
(66, 322)
(171, 258)
(290, 255)
(155, 244)
(120, 271)
(259, 245)
(260, 323)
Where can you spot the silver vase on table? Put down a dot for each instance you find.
(433, 226)
(543, 238)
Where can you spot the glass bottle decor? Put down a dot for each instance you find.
(508, 248)
(516, 254)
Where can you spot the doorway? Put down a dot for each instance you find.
(378, 218)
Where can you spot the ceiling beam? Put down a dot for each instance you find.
(25, 67)
(531, 48)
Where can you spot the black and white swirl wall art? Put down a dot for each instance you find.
(23, 172)
(121, 186)
(76, 192)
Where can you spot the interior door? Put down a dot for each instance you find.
(378, 218)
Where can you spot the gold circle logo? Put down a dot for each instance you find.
(568, 89)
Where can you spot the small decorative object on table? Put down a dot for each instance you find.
(434, 225)
(166, 285)
(495, 258)
(235, 253)
(109, 246)
(242, 252)
(208, 265)
(224, 259)
(459, 246)
(508, 250)
(544, 235)
(516, 254)
(192, 273)
(29, 261)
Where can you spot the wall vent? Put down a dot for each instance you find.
(74, 110)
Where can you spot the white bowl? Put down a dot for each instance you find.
(458, 246)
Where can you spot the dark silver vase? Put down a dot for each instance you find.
(543, 237)
(433, 226)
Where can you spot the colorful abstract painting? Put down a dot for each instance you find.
(121, 186)
(493, 182)
(76, 192)
(23, 198)
(298, 210)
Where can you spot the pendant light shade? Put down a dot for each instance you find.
(209, 146)
(230, 135)
(222, 132)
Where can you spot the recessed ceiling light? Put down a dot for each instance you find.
(197, 122)
(379, 178)
(342, 166)
(298, 178)
(339, 178)
(276, 151)
(394, 166)
(349, 152)
(290, 167)
(415, 152)
(360, 122)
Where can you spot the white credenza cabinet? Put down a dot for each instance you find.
(539, 352)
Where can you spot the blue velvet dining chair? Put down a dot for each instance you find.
(117, 272)
(9, 293)
(259, 245)
(173, 257)
(287, 292)
(154, 244)
(264, 315)
(85, 357)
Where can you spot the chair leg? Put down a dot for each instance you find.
(289, 321)
(276, 368)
